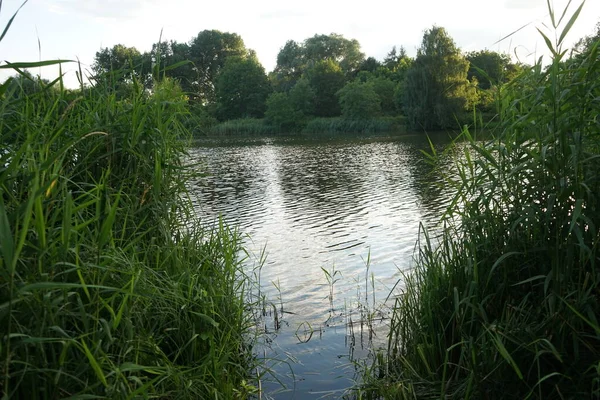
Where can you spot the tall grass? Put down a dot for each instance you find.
(505, 304)
(109, 288)
(244, 127)
(365, 126)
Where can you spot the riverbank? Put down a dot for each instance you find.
(314, 126)
(504, 303)
(110, 286)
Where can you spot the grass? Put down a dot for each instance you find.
(342, 125)
(505, 303)
(338, 125)
(244, 127)
(109, 287)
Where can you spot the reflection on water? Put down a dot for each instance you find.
(322, 205)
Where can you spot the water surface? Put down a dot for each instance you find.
(349, 206)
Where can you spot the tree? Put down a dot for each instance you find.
(289, 68)
(303, 97)
(282, 113)
(326, 78)
(294, 59)
(120, 64)
(358, 100)
(208, 52)
(489, 68)
(436, 89)
(242, 89)
(395, 64)
(370, 65)
(385, 89)
(334, 47)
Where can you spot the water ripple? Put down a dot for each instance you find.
(321, 204)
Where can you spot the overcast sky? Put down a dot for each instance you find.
(76, 29)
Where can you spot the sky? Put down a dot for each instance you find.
(77, 29)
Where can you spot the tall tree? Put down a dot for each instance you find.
(242, 88)
(489, 68)
(124, 61)
(334, 47)
(295, 59)
(358, 100)
(209, 51)
(289, 68)
(326, 78)
(436, 87)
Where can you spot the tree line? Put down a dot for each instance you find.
(323, 76)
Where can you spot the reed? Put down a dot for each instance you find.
(109, 287)
(244, 127)
(363, 126)
(505, 303)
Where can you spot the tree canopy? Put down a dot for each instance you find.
(242, 88)
(436, 89)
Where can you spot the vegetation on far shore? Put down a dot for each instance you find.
(324, 77)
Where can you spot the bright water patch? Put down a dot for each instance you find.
(316, 205)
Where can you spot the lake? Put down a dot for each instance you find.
(336, 221)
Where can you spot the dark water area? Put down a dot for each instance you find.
(336, 221)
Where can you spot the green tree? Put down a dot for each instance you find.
(395, 64)
(334, 47)
(436, 89)
(289, 68)
(489, 68)
(282, 113)
(369, 65)
(119, 65)
(303, 97)
(326, 78)
(119, 57)
(358, 100)
(385, 89)
(208, 52)
(242, 88)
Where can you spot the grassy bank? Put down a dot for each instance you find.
(505, 304)
(109, 287)
(338, 125)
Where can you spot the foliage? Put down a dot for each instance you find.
(326, 78)
(364, 126)
(209, 52)
(282, 114)
(244, 127)
(291, 64)
(119, 67)
(242, 89)
(344, 52)
(109, 288)
(505, 302)
(385, 89)
(369, 65)
(294, 60)
(489, 68)
(303, 97)
(358, 100)
(436, 90)
(396, 64)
